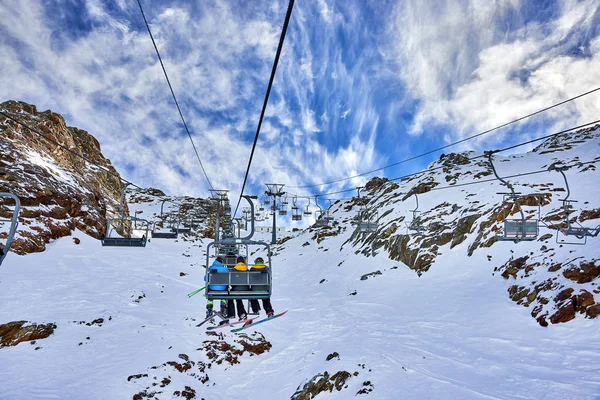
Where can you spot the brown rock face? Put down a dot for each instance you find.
(593, 311)
(322, 383)
(589, 214)
(586, 272)
(59, 191)
(565, 313)
(583, 301)
(375, 183)
(13, 333)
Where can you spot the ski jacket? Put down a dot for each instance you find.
(241, 266)
(259, 265)
(217, 267)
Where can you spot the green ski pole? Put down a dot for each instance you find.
(196, 291)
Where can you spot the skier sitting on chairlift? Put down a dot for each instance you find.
(217, 266)
(241, 266)
(259, 263)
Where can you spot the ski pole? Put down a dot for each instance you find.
(196, 291)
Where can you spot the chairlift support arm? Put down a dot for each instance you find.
(514, 196)
(14, 223)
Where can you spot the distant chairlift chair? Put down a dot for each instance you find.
(182, 227)
(307, 209)
(283, 209)
(328, 215)
(321, 219)
(14, 223)
(366, 221)
(161, 232)
(415, 224)
(296, 213)
(580, 232)
(515, 229)
(112, 238)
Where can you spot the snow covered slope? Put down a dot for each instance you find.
(370, 316)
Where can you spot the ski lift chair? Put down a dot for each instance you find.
(14, 223)
(127, 224)
(579, 231)
(520, 229)
(255, 284)
(328, 215)
(183, 229)
(160, 233)
(283, 209)
(415, 223)
(230, 253)
(296, 213)
(307, 209)
(177, 226)
(514, 229)
(324, 219)
(114, 240)
(367, 222)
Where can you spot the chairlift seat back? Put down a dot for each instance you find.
(513, 229)
(164, 235)
(367, 227)
(124, 242)
(256, 282)
(230, 261)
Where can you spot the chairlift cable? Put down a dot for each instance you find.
(490, 180)
(266, 101)
(173, 93)
(449, 145)
(67, 149)
(504, 149)
(472, 158)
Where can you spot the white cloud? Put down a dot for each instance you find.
(471, 73)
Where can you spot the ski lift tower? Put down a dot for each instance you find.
(246, 216)
(219, 196)
(274, 190)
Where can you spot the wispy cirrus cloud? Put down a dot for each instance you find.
(472, 66)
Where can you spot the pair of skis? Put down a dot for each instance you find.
(260, 321)
(247, 323)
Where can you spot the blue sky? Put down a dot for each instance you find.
(360, 84)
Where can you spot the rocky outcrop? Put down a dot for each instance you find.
(322, 383)
(59, 191)
(553, 300)
(16, 332)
